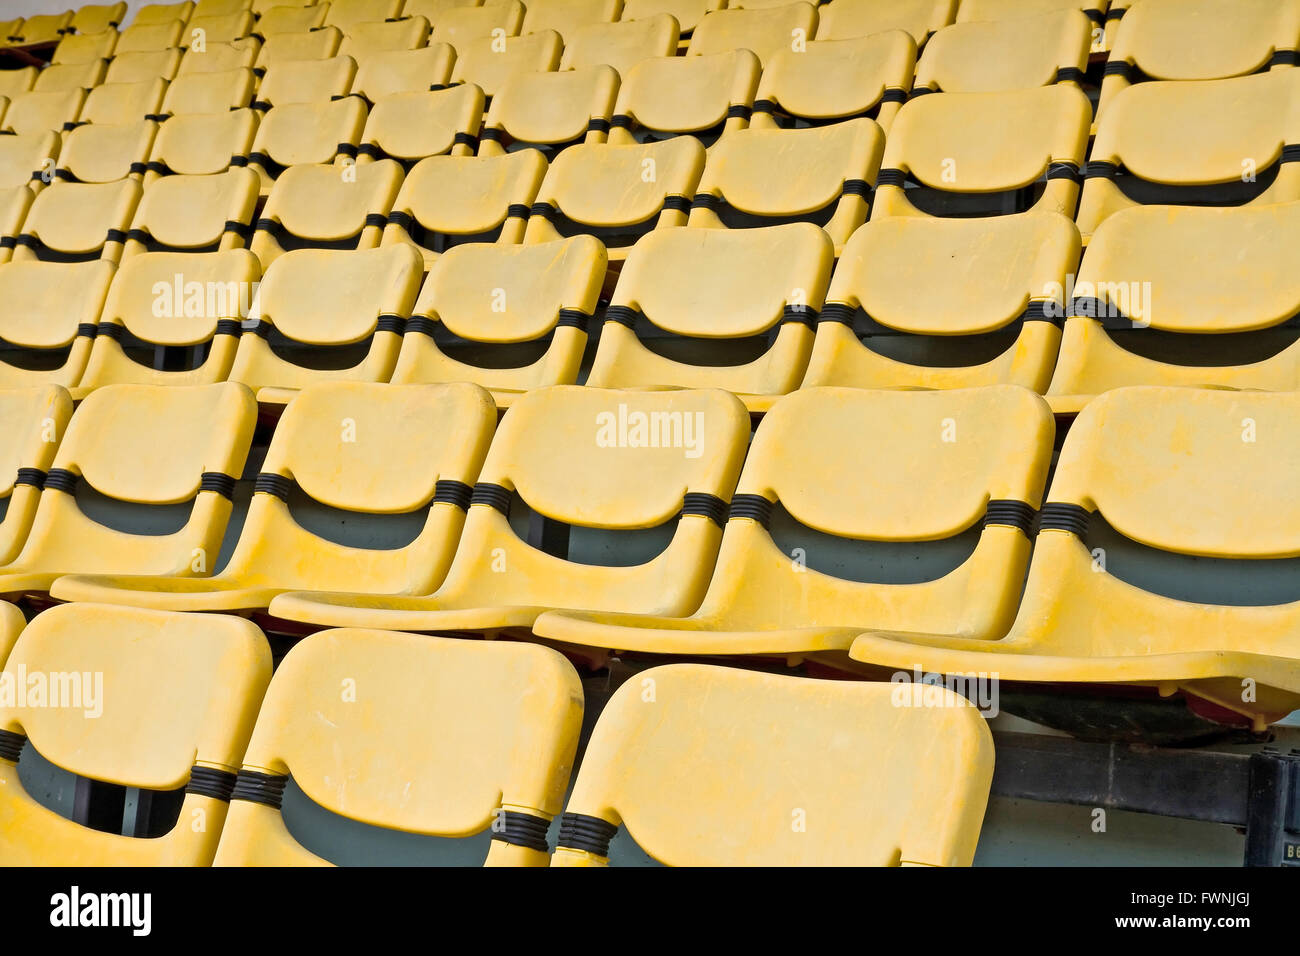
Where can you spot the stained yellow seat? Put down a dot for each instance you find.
(34, 420)
(567, 17)
(617, 193)
(306, 81)
(1004, 152)
(215, 92)
(488, 62)
(1247, 131)
(620, 45)
(486, 300)
(762, 32)
(845, 19)
(440, 740)
(84, 48)
(346, 14)
(43, 28)
(448, 200)
(815, 483)
(701, 95)
(105, 153)
(123, 103)
(162, 35)
(27, 161)
(687, 13)
(632, 461)
(758, 177)
(833, 80)
(365, 40)
(201, 144)
(142, 66)
(987, 56)
(550, 110)
(411, 126)
(1183, 471)
(67, 77)
(282, 48)
(78, 222)
(290, 18)
(220, 57)
(224, 28)
(412, 449)
(334, 315)
(148, 446)
(99, 18)
(164, 12)
(171, 705)
(947, 303)
(301, 134)
(461, 25)
(49, 310)
(754, 292)
(403, 71)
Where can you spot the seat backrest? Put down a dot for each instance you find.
(224, 28)
(704, 95)
(66, 77)
(144, 65)
(16, 81)
(195, 213)
(403, 71)
(78, 222)
(151, 36)
(306, 81)
(763, 32)
(289, 18)
(220, 57)
(550, 109)
(164, 12)
(124, 102)
(306, 133)
(620, 45)
(215, 92)
(104, 153)
(220, 8)
(345, 14)
(991, 55)
(845, 19)
(84, 48)
(368, 39)
(488, 62)
(33, 422)
(49, 305)
(280, 48)
(566, 17)
(99, 18)
(26, 159)
(494, 21)
(43, 28)
(411, 126)
(201, 144)
(687, 13)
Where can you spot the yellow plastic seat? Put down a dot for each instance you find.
(67, 77)
(34, 421)
(663, 460)
(763, 32)
(15, 201)
(408, 127)
(209, 92)
(488, 62)
(845, 19)
(99, 18)
(220, 8)
(16, 82)
(334, 315)
(163, 13)
(301, 134)
(365, 40)
(11, 31)
(317, 207)
(434, 10)
(167, 304)
(49, 311)
(282, 48)
(78, 222)
(167, 701)
(142, 66)
(754, 292)
(701, 95)
(151, 447)
(757, 177)
(220, 57)
(988, 56)
(566, 17)
(306, 81)
(43, 28)
(412, 449)
(77, 48)
(201, 144)
(620, 45)
(834, 80)
(1209, 281)
(194, 214)
(461, 25)
(617, 193)
(289, 18)
(530, 305)
(550, 110)
(1182, 471)
(105, 153)
(772, 770)
(815, 468)
(27, 161)
(1248, 129)
(449, 200)
(225, 28)
(123, 103)
(687, 13)
(151, 36)
(347, 14)
(978, 153)
(947, 303)
(404, 71)
(462, 748)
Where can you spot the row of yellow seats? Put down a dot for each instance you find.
(517, 522)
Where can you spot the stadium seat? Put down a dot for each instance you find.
(15, 201)
(550, 111)
(404, 71)
(292, 19)
(327, 315)
(306, 133)
(566, 17)
(411, 126)
(994, 55)
(448, 200)
(687, 13)
(184, 336)
(102, 153)
(757, 177)
(163, 13)
(145, 65)
(1185, 472)
(78, 222)
(43, 28)
(753, 758)
(219, 8)
(509, 318)
(149, 447)
(314, 207)
(369, 39)
(700, 95)
(28, 162)
(424, 706)
(833, 80)
(1183, 296)
(434, 436)
(306, 81)
(209, 92)
(34, 420)
(612, 477)
(201, 144)
(99, 18)
(764, 32)
(488, 62)
(620, 45)
(280, 48)
(716, 308)
(84, 48)
(11, 31)
(434, 10)
(846, 19)
(462, 25)
(201, 31)
(48, 317)
(947, 303)
(1247, 130)
(153, 36)
(985, 153)
(194, 214)
(15, 82)
(220, 57)
(346, 14)
(67, 77)
(171, 708)
(123, 102)
(617, 193)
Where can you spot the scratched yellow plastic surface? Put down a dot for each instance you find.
(605, 478)
(191, 212)
(462, 25)
(551, 108)
(99, 18)
(1183, 271)
(39, 112)
(838, 79)
(413, 125)
(1171, 468)
(987, 142)
(179, 691)
(404, 440)
(162, 35)
(488, 63)
(41, 306)
(144, 65)
(687, 13)
(84, 48)
(942, 277)
(403, 71)
(1240, 124)
(620, 45)
(715, 766)
(220, 57)
(441, 735)
(32, 421)
(993, 55)
(283, 48)
(306, 133)
(202, 144)
(209, 92)
(673, 94)
(146, 445)
(817, 454)
(845, 19)
(346, 14)
(762, 32)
